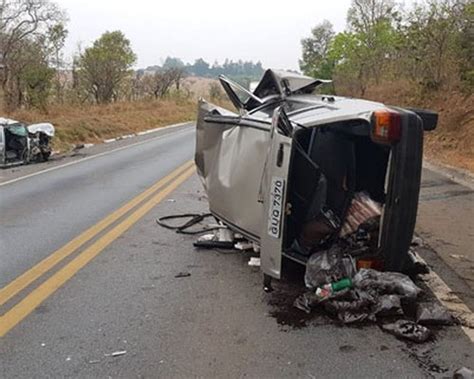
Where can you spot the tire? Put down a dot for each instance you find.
(45, 155)
(403, 193)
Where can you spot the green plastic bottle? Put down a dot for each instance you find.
(341, 284)
(326, 291)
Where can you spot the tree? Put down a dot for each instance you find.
(372, 22)
(430, 37)
(172, 62)
(103, 67)
(364, 15)
(200, 67)
(22, 23)
(57, 37)
(315, 60)
(466, 44)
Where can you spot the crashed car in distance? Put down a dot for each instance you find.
(22, 144)
(286, 170)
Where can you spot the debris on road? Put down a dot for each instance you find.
(417, 241)
(408, 330)
(433, 314)
(116, 353)
(183, 274)
(367, 295)
(185, 228)
(328, 266)
(463, 373)
(244, 246)
(254, 262)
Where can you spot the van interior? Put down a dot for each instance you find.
(329, 165)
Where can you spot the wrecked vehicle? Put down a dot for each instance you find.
(21, 144)
(293, 170)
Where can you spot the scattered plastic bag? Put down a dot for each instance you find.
(386, 283)
(388, 305)
(306, 302)
(327, 267)
(351, 311)
(361, 209)
(408, 330)
(433, 314)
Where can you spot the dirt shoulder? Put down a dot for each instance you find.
(452, 143)
(79, 124)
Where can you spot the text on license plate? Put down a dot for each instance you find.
(277, 190)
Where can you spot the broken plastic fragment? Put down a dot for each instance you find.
(116, 353)
(182, 274)
(119, 353)
(255, 262)
(244, 245)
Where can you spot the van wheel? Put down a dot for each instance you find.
(403, 193)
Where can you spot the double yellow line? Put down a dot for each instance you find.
(19, 311)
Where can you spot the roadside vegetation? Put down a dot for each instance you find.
(95, 94)
(422, 56)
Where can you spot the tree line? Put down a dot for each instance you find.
(431, 45)
(34, 71)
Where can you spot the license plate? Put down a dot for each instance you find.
(277, 191)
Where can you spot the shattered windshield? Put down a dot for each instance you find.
(18, 129)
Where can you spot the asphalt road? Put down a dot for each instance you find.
(119, 292)
(42, 213)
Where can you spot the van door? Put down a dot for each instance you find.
(274, 194)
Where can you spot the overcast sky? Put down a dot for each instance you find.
(269, 31)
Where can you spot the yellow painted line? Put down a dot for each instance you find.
(25, 279)
(21, 310)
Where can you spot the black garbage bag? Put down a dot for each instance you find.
(433, 314)
(309, 300)
(328, 266)
(388, 305)
(408, 330)
(386, 283)
(351, 311)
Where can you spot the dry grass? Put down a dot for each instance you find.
(452, 142)
(94, 123)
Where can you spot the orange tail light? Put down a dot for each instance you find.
(386, 126)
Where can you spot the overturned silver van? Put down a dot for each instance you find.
(285, 169)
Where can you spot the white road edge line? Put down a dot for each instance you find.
(457, 175)
(100, 154)
(450, 300)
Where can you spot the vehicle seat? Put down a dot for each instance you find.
(334, 153)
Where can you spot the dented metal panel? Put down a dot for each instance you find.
(232, 188)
